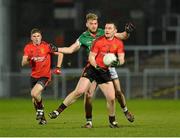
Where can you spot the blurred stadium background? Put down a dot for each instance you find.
(152, 51)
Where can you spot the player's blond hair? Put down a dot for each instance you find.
(91, 16)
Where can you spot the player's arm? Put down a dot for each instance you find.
(66, 50)
(129, 27)
(122, 36)
(121, 58)
(57, 70)
(25, 61)
(71, 49)
(92, 60)
(60, 59)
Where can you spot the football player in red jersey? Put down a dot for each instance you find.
(85, 40)
(97, 71)
(37, 53)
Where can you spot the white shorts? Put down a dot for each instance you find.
(113, 73)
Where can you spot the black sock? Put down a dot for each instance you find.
(88, 118)
(111, 119)
(61, 108)
(88, 109)
(39, 104)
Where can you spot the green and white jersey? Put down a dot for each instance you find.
(86, 39)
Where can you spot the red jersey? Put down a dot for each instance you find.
(101, 46)
(40, 67)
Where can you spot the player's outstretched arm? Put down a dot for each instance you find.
(71, 49)
(66, 50)
(123, 35)
(129, 27)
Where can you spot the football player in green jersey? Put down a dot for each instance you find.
(85, 40)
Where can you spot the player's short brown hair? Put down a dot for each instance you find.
(35, 30)
(91, 16)
(112, 22)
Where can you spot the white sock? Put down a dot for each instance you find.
(125, 109)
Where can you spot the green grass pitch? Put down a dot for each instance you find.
(160, 118)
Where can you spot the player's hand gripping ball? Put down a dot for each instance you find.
(109, 58)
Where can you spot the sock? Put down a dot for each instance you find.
(88, 113)
(88, 118)
(125, 109)
(111, 119)
(39, 104)
(61, 108)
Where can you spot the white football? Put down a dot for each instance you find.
(109, 58)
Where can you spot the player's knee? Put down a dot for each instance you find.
(34, 94)
(111, 98)
(111, 101)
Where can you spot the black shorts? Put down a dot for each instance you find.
(43, 81)
(100, 76)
